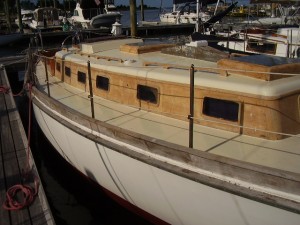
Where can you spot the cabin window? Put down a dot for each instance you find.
(102, 83)
(76, 13)
(147, 93)
(58, 66)
(68, 71)
(261, 46)
(222, 109)
(81, 77)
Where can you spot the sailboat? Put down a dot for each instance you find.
(176, 133)
(27, 16)
(282, 13)
(185, 11)
(95, 14)
(45, 19)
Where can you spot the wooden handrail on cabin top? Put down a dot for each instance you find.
(108, 58)
(173, 66)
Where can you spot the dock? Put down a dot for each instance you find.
(145, 29)
(159, 28)
(14, 159)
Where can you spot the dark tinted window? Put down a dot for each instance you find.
(222, 109)
(146, 93)
(260, 46)
(81, 77)
(102, 83)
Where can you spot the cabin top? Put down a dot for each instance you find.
(259, 76)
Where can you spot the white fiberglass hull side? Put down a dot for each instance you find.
(105, 20)
(181, 19)
(170, 197)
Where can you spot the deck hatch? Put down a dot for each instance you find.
(222, 109)
(81, 77)
(68, 71)
(102, 83)
(147, 93)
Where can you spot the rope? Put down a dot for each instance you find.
(4, 89)
(29, 193)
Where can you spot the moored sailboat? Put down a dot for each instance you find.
(123, 112)
(190, 11)
(95, 14)
(45, 19)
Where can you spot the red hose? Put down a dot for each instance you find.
(12, 202)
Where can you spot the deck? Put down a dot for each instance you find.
(281, 154)
(13, 161)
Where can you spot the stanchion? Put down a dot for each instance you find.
(191, 116)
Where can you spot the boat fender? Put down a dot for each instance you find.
(116, 29)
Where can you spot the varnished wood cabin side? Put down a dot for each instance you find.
(256, 115)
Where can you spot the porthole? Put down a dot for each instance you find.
(102, 83)
(221, 109)
(81, 77)
(147, 93)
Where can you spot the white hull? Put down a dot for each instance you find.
(133, 176)
(177, 18)
(284, 43)
(105, 20)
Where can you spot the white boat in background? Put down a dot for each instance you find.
(27, 16)
(179, 134)
(46, 18)
(282, 13)
(185, 11)
(92, 15)
(283, 41)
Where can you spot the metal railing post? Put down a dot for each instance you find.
(191, 115)
(47, 77)
(91, 96)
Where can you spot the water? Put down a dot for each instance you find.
(17, 48)
(149, 15)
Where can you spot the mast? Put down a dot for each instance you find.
(19, 16)
(142, 10)
(198, 11)
(133, 17)
(7, 14)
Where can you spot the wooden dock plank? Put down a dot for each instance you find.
(11, 166)
(14, 163)
(4, 215)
